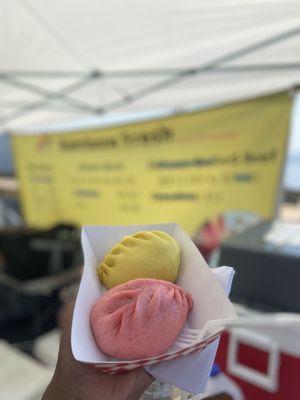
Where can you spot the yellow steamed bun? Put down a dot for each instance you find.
(147, 254)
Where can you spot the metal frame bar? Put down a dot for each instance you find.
(259, 67)
(48, 97)
(144, 73)
(38, 74)
(12, 81)
(209, 66)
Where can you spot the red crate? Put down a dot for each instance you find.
(265, 365)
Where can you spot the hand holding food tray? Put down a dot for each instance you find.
(194, 278)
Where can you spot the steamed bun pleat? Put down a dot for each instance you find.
(146, 254)
(140, 318)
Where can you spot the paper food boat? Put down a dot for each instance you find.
(210, 300)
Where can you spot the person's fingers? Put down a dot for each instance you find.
(142, 380)
(65, 315)
(65, 322)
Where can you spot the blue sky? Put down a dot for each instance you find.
(294, 145)
(292, 168)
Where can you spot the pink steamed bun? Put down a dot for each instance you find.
(140, 318)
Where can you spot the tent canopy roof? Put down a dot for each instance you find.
(63, 59)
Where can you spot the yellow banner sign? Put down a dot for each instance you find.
(187, 168)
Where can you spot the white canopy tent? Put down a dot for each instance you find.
(61, 60)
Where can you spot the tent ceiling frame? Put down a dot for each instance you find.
(174, 76)
(212, 65)
(35, 89)
(144, 73)
(48, 96)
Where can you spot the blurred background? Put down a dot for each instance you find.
(132, 112)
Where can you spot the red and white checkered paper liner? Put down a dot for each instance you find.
(125, 366)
